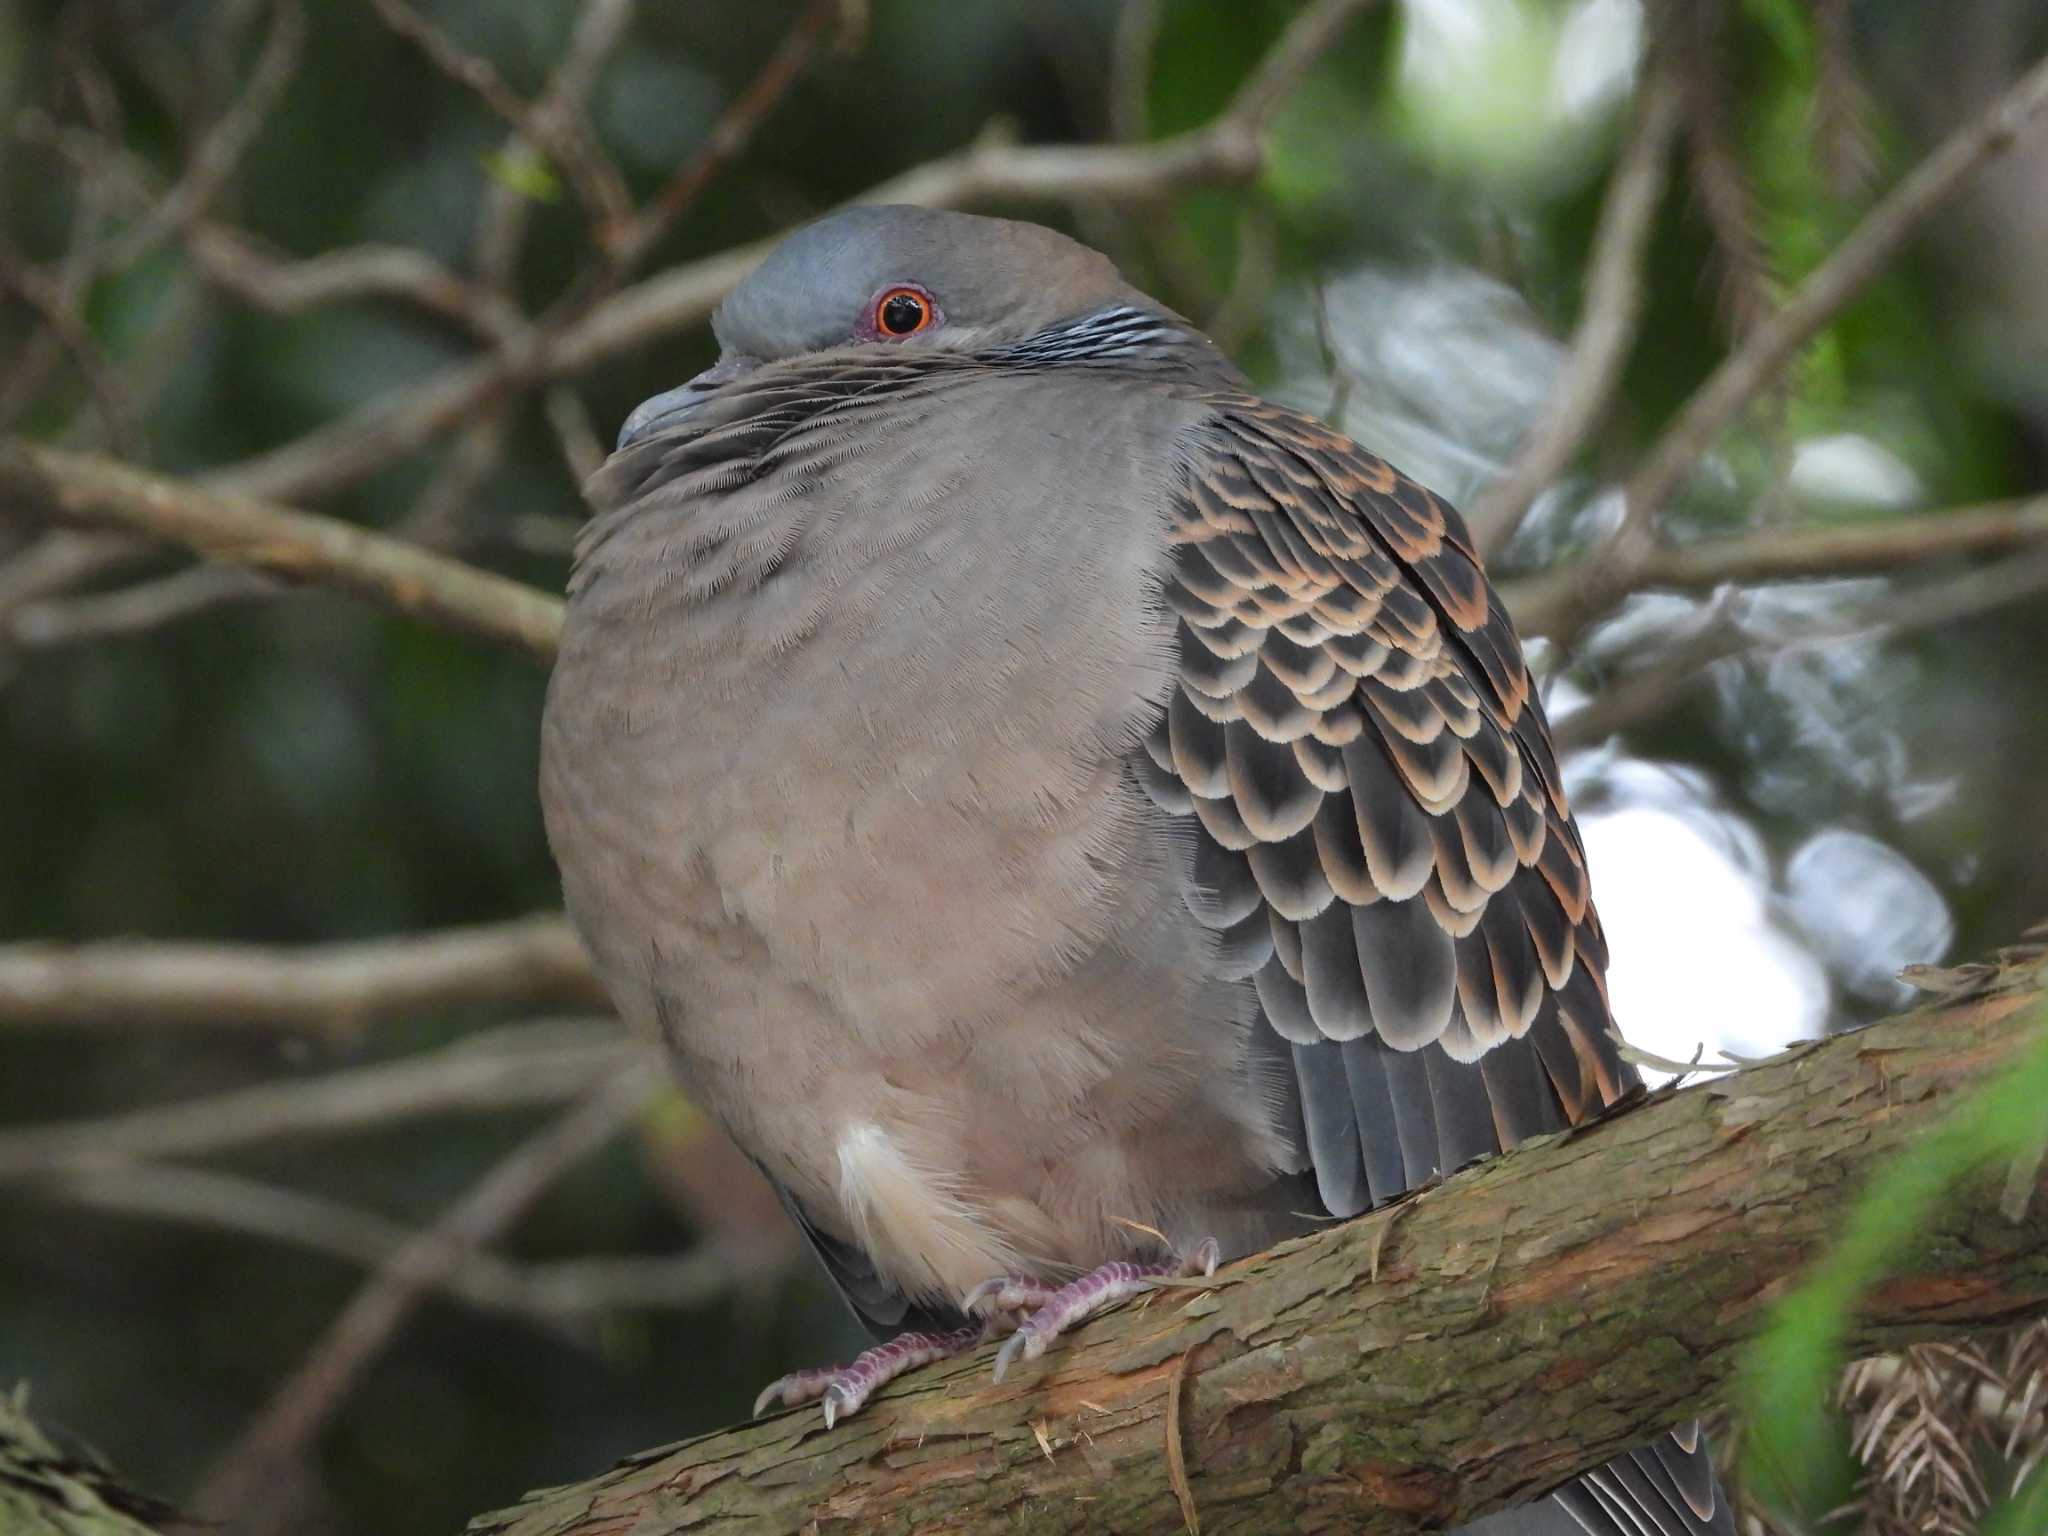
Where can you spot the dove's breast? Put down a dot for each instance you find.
(835, 766)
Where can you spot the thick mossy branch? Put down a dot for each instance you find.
(1464, 1349)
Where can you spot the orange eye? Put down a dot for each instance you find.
(902, 312)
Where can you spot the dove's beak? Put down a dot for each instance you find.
(667, 409)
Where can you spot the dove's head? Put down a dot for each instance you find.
(940, 282)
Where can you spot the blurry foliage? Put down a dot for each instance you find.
(1795, 1451)
(308, 769)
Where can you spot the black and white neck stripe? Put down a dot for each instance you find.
(1124, 334)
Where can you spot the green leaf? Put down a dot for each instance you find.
(2025, 1513)
(1791, 1439)
(524, 171)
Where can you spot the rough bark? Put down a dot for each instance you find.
(1461, 1350)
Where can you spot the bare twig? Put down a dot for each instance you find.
(326, 988)
(630, 240)
(346, 451)
(1825, 293)
(1842, 109)
(582, 450)
(412, 581)
(249, 1208)
(214, 160)
(73, 338)
(282, 542)
(562, 136)
(1130, 69)
(59, 561)
(437, 517)
(501, 231)
(1342, 379)
(508, 1068)
(1226, 149)
(1649, 691)
(1607, 324)
(137, 609)
(304, 1403)
(98, 189)
(1559, 602)
(238, 263)
(1718, 176)
(561, 1296)
(1309, 36)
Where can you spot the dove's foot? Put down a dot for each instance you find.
(843, 1388)
(1054, 1311)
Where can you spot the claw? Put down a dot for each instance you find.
(1005, 1293)
(1053, 1312)
(836, 1401)
(841, 1389)
(1018, 1343)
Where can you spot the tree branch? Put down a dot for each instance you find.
(240, 264)
(303, 1403)
(1647, 691)
(1225, 149)
(1607, 328)
(1847, 271)
(513, 1067)
(331, 989)
(628, 241)
(242, 531)
(1462, 1350)
(412, 581)
(1559, 602)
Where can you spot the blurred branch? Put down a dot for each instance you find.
(630, 240)
(439, 514)
(1607, 326)
(238, 263)
(993, 170)
(1314, 1394)
(1648, 691)
(57, 561)
(1558, 603)
(1312, 33)
(1719, 178)
(213, 161)
(1130, 69)
(330, 989)
(137, 609)
(560, 1296)
(247, 1207)
(73, 338)
(1848, 270)
(404, 420)
(511, 1068)
(582, 449)
(283, 542)
(561, 135)
(412, 581)
(299, 1408)
(501, 232)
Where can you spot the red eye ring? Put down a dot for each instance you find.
(901, 312)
